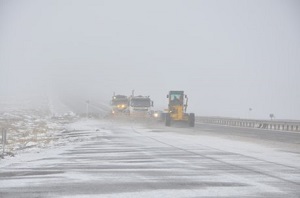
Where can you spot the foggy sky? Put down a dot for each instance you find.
(228, 56)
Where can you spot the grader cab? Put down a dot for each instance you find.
(178, 103)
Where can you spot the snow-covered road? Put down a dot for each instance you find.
(112, 158)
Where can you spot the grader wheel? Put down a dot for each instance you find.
(168, 120)
(191, 120)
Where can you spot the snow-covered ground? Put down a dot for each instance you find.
(112, 158)
(30, 124)
(53, 139)
(29, 129)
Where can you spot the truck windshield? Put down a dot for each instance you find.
(119, 101)
(140, 102)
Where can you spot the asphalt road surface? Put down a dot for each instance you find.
(113, 158)
(289, 138)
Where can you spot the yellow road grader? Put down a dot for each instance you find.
(178, 103)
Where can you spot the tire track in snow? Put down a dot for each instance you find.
(227, 163)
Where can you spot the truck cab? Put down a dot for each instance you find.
(140, 106)
(119, 104)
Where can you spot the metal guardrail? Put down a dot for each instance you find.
(261, 124)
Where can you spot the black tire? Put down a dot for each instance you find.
(192, 120)
(162, 117)
(168, 120)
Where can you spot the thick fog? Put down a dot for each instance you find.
(228, 56)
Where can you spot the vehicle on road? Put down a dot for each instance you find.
(140, 106)
(158, 115)
(119, 104)
(177, 106)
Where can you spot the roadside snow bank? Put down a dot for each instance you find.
(30, 128)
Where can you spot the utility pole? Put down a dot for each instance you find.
(272, 116)
(87, 108)
(250, 109)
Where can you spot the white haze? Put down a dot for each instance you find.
(228, 56)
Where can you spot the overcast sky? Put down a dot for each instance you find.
(228, 56)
